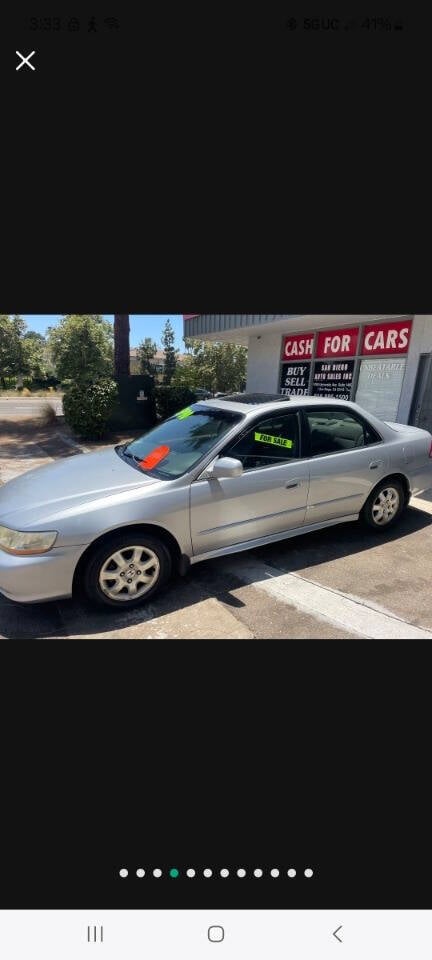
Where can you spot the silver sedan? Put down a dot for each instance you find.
(222, 475)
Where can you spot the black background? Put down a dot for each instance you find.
(213, 163)
(215, 754)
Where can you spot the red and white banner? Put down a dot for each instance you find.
(299, 345)
(393, 337)
(337, 343)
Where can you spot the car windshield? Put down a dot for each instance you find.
(180, 442)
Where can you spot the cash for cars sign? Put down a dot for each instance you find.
(298, 346)
(390, 337)
(337, 343)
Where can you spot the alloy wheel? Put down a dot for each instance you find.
(129, 573)
(386, 506)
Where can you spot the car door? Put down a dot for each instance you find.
(347, 459)
(268, 498)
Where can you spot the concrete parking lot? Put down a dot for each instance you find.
(342, 583)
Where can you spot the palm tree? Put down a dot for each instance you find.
(121, 345)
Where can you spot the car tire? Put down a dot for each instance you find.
(384, 506)
(119, 555)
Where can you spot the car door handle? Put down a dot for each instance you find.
(293, 483)
(374, 464)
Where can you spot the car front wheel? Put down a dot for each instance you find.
(126, 570)
(385, 505)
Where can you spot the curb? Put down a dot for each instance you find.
(72, 443)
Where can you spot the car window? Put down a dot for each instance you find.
(177, 444)
(333, 430)
(270, 441)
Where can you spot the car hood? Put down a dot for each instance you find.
(48, 490)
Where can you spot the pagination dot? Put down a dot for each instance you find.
(291, 872)
(274, 872)
(207, 872)
(308, 872)
(258, 872)
(123, 872)
(190, 872)
(140, 872)
(224, 872)
(157, 872)
(241, 872)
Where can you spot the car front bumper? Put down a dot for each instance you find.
(33, 579)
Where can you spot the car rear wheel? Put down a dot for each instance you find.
(126, 570)
(385, 505)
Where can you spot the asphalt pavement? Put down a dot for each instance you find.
(11, 408)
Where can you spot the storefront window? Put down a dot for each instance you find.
(379, 387)
(329, 362)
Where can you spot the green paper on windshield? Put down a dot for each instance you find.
(187, 412)
(279, 441)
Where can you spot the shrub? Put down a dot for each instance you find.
(171, 399)
(43, 383)
(88, 405)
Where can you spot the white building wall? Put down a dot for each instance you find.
(264, 353)
(263, 363)
(421, 342)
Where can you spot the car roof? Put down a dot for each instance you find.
(255, 403)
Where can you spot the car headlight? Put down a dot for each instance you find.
(22, 543)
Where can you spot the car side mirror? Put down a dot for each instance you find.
(227, 467)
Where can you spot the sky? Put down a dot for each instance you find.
(141, 325)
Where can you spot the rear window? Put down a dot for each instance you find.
(333, 430)
(179, 443)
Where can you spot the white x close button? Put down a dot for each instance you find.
(216, 934)
(25, 60)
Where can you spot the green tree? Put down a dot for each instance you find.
(170, 359)
(213, 366)
(81, 345)
(11, 353)
(35, 359)
(121, 345)
(34, 335)
(147, 351)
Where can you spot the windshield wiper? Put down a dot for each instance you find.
(130, 455)
(133, 457)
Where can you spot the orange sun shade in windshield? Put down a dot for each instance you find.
(153, 458)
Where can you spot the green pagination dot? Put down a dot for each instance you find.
(174, 872)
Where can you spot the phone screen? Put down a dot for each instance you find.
(214, 527)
